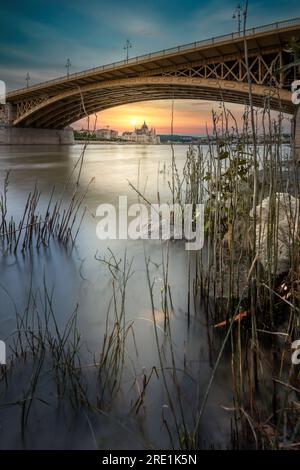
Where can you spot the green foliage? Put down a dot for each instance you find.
(227, 186)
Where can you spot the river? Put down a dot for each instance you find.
(78, 277)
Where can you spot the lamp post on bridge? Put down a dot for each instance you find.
(27, 78)
(68, 66)
(126, 48)
(237, 15)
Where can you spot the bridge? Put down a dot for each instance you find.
(212, 69)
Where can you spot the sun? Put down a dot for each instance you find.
(133, 122)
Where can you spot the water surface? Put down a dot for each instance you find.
(79, 278)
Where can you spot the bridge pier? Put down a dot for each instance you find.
(7, 114)
(10, 135)
(24, 136)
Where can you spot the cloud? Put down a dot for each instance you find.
(42, 38)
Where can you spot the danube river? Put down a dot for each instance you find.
(80, 278)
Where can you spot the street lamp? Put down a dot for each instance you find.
(27, 78)
(126, 48)
(240, 14)
(68, 66)
(237, 15)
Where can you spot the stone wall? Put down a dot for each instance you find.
(24, 136)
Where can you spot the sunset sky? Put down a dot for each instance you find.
(190, 116)
(38, 36)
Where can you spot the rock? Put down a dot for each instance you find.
(275, 234)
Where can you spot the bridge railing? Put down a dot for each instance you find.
(166, 52)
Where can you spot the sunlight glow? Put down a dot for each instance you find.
(133, 122)
(190, 116)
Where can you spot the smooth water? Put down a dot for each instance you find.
(79, 278)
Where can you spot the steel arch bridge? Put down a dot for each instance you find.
(212, 69)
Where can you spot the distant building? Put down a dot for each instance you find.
(106, 134)
(144, 135)
(129, 136)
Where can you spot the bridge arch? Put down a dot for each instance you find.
(67, 107)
